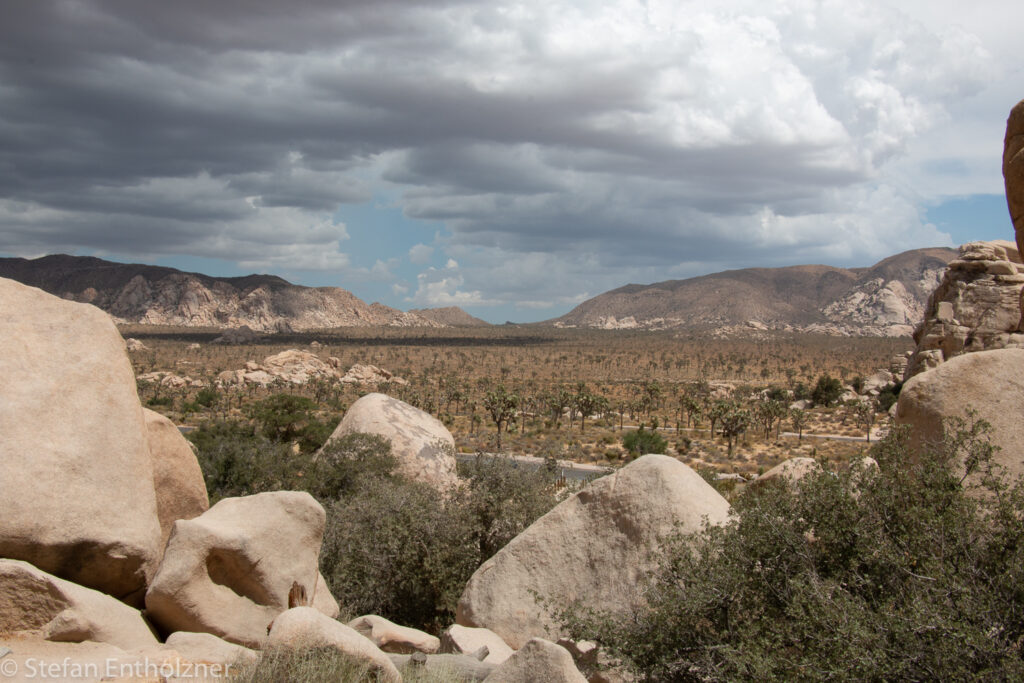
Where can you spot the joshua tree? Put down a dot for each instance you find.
(502, 406)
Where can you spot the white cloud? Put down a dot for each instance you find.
(420, 253)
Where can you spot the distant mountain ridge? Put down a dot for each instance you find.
(887, 299)
(158, 295)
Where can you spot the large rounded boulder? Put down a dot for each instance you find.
(424, 447)
(990, 383)
(177, 477)
(76, 493)
(596, 547)
(237, 566)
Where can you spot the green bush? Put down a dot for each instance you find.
(398, 549)
(898, 575)
(827, 391)
(282, 417)
(642, 441)
(238, 461)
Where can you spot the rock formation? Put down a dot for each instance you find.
(391, 637)
(423, 446)
(229, 571)
(976, 306)
(294, 367)
(988, 382)
(596, 546)
(32, 600)
(76, 493)
(1013, 170)
(304, 627)
(177, 478)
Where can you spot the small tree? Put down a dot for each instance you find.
(799, 420)
(282, 417)
(588, 404)
(501, 405)
(827, 391)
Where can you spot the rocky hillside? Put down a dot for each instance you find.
(164, 296)
(887, 299)
(450, 316)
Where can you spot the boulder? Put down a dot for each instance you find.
(538, 660)
(234, 568)
(596, 546)
(792, 470)
(459, 639)
(988, 382)
(76, 493)
(391, 637)
(305, 627)
(207, 648)
(423, 446)
(32, 600)
(1013, 170)
(177, 478)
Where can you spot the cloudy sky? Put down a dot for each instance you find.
(512, 158)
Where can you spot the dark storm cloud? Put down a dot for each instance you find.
(631, 133)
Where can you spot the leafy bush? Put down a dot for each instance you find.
(642, 441)
(901, 574)
(282, 417)
(238, 461)
(397, 549)
(826, 391)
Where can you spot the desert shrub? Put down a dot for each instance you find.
(236, 460)
(502, 499)
(207, 396)
(282, 417)
(398, 549)
(642, 441)
(394, 548)
(889, 394)
(904, 574)
(316, 665)
(826, 391)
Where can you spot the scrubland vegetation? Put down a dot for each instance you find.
(538, 381)
(891, 573)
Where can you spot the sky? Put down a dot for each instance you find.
(511, 158)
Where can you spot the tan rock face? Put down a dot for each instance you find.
(204, 647)
(32, 600)
(1013, 170)
(229, 571)
(76, 490)
(597, 546)
(391, 637)
(792, 470)
(177, 478)
(538, 660)
(976, 306)
(458, 639)
(990, 382)
(305, 627)
(423, 446)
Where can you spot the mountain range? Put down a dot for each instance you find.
(157, 295)
(887, 299)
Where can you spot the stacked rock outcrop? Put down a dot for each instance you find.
(976, 306)
(1013, 170)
